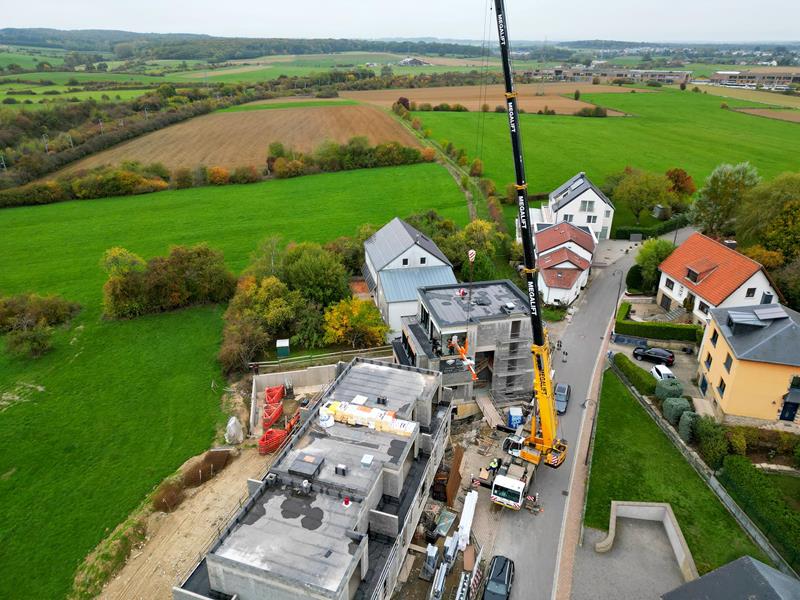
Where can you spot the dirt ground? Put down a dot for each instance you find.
(773, 98)
(532, 97)
(175, 540)
(241, 138)
(792, 116)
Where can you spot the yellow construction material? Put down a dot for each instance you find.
(372, 417)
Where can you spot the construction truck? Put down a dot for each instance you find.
(542, 444)
(511, 484)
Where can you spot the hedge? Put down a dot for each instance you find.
(711, 440)
(656, 330)
(624, 232)
(668, 388)
(644, 383)
(764, 502)
(686, 426)
(674, 409)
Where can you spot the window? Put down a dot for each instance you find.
(714, 338)
(728, 362)
(422, 260)
(670, 284)
(587, 205)
(703, 308)
(751, 292)
(703, 385)
(608, 213)
(721, 387)
(568, 218)
(405, 262)
(708, 360)
(691, 275)
(591, 219)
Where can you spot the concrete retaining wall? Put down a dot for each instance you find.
(652, 511)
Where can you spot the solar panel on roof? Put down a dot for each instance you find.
(770, 313)
(745, 318)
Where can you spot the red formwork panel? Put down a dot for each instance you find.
(272, 412)
(275, 394)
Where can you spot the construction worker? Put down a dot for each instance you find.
(493, 466)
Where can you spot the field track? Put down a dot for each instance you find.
(241, 138)
(474, 96)
(771, 113)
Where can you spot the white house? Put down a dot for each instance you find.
(580, 202)
(706, 274)
(398, 260)
(563, 256)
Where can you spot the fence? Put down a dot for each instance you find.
(708, 476)
(309, 360)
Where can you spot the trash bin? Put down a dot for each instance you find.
(282, 348)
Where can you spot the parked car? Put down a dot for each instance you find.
(661, 372)
(499, 579)
(660, 356)
(563, 392)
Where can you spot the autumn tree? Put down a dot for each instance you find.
(681, 182)
(788, 280)
(481, 236)
(119, 261)
(354, 322)
(476, 168)
(771, 259)
(269, 302)
(715, 208)
(641, 191)
(769, 215)
(316, 273)
(652, 253)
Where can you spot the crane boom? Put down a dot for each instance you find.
(542, 445)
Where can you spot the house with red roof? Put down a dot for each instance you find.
(702, 274)
(563, 257)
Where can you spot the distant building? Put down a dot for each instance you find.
(493, 316)
(334, 517)
(564, 255)
(607, 74)
(412, 61)
(750, 363)
(399, 259)
(703, 274)
(752, 78)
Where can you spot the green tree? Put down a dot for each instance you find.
(481, 236)
(119, 261)
(310, 327)
(482, 269)
(769, 215)
(316, 273)
(269, 302)
(788, 280)
(652, 253)
(267, 259)
(641, 190)
(354, 322)
(714, 210)
(577, 95)
(166, 90)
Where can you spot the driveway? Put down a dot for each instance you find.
(684, 369)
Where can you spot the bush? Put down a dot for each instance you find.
(25, 311)
(644, 383)
(31, 343)
(633, 280)
(737, 442)
(487, 187)
(218, 176)
(656, 330)
(245, 175)
(201, 176)
(624, 232)
(711, 440)
(797, 456)
(673, 409)
(183, 179)
(686, 426)
(428, 154)
(587, 111)
(476, 169)
(668, 388)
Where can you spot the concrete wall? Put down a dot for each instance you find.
(312, 376)
(395, 310)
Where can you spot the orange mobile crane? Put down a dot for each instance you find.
(542, 445)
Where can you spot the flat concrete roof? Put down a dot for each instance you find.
(296, 537)
(400, 385)
(499, 299)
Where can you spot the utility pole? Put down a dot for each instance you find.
(100, 122)
(44, 139)
(3, 163)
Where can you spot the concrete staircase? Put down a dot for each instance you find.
(671, 315)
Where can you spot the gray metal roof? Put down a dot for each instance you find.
(400, 285)
(394, 238)
(574, 187)
(490, 300)
(743, 579)
(772, 339)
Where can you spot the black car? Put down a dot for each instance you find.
(499, 579)
(660, 356)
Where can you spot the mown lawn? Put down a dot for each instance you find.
(790, 486)
(634, 460)
(117, 406)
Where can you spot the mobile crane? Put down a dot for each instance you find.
(542, 445)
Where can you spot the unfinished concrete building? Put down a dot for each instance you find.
(334, 517)
(494, 317)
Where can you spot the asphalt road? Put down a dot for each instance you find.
(532, 541)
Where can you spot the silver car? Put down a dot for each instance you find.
(563, 392)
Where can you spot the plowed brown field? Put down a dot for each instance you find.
(473, 96)
(773, 113)
(241, 138)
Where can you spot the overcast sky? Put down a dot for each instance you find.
(651, 20)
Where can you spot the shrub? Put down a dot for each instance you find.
(587, 111)
(487, 187)
(676, 222)
(668, 388)
(656, 330)
(243, 341)
(218, 176)
(713, 444)
(686, 426)
(797, 456)
(183, 179)
(201, 176)
(638, 377)
(737, 442)
(476, 169)
(168, 496)
(245, 175)
(31, 343)
(633, 280)
(674, 408)
(25, 311)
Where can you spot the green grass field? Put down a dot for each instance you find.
(28, 59)
(298, 104)
(62, 77)
(634, 460)
(39, 99)
(125, 403)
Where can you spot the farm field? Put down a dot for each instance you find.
(791, 115)
(474, 96)
(28, 59)
(294, 102)
(763, 97)
(241, 138)
(63, 77)
(39, 99)
(126, 402)
(706, 70)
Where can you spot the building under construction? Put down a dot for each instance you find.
(334, 517)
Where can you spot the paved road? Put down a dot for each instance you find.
(532, 541)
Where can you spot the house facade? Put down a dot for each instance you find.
(397, 260)
(702, 274)
(750, 363)
(564, 255)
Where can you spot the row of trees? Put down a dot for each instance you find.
(28, 320)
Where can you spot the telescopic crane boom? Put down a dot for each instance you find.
(542, 445)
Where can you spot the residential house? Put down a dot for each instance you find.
(702, 274)
(577, 201)
(750, 363)
(563, 256)
(399, 259)
(492, 318)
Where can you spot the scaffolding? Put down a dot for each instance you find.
(512, 375)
